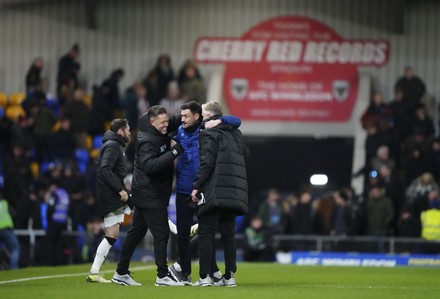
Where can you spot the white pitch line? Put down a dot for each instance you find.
(140, 268)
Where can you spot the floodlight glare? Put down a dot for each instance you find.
(318, 179)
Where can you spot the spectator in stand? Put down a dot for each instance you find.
(256, 242)
(419, 188)
(99, 108)
(17, 175)
(301, 219)
(393, 190)
(271, 214)
(22, 134)
(191, 83)
(113, 100)
(417, 140)
(412, 86)
(43, 121)
(382, 158)
(380, 212)
(430, 218)
(434, 158)
(408, 226)
(57, 201)
(33, 76)
(135, 104)
(159, 78)
(422, 203)
(36, 96)
(78, 113)
(401, 114)
(421, 121)
(389, 138)
(6, 127)
(372, 143)
(7, 235)
(72, 181)
(172, 102)
(415, 165)
(376, 111)
(67, 77)
(62, 143)
(325, 207)
(341, 222)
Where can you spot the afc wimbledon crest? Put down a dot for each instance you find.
(239, 88)
(340, 90)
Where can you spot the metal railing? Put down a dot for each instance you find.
(389, 243)
(316, 243)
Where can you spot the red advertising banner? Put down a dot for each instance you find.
(291, 68)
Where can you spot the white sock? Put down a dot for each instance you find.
(101, 253)
(173, 227)
(177, 266)
(218, 274)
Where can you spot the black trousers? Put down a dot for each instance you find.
(209, 223)
(143, 219)
(185, 219)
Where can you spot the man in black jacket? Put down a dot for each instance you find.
(112, 196)
(221, 191)
(151, 189)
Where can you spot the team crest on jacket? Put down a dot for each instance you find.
(163, 148)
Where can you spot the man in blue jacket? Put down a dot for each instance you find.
(186, 170)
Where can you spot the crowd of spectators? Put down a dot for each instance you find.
(402, 172)
(48, 146)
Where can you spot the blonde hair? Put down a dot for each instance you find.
(213, 108)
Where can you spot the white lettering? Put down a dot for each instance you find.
(230, 50)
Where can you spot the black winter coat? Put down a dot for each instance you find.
(110, 172)
(222, 174)
(153, 166)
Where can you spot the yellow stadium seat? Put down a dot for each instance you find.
(14, 112)
(56, 127)
(107, 125)
(16, 98)
(94, 153)
(3, 100)
(87, 99)
(89, 142)
(35, 169)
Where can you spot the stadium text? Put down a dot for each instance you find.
(317, 52)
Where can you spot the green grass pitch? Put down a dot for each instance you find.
(254, 281)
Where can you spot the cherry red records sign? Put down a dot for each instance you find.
(291, 68)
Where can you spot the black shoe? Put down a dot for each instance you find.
(186, 279)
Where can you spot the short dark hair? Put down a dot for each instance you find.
(155, 111)
(75, 48)
(193, 106)
(117, 124)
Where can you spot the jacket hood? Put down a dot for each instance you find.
(143, 122)
(110, 135)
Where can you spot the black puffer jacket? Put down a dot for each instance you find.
(110, 172)
(153, 166)
(222, 174)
